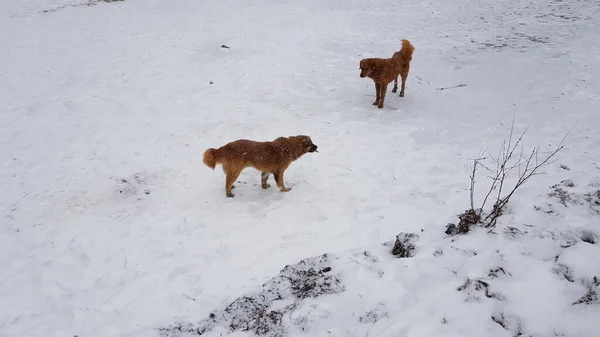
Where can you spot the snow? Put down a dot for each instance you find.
(112, 225)
(582, 269)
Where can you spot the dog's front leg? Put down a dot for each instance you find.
(395, 88)
(383, 89)
(376, 94)
(279, 180)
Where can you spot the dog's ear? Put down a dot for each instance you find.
(306, 141)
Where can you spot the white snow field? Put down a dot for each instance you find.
(111, 225)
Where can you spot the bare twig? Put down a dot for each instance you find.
(188, 296)
(16, 206)
(532, 166)
(492, 188)
(472, 190)
(503, 168)
(452, 87)
(507, 161)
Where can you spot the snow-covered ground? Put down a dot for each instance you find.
(112, 225)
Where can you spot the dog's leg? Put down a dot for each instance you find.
(383, 89)
(231, 176)
(279, 180)
(395, 88)
(403, 85)
(376, 94)
(263, 180)
(404, 76)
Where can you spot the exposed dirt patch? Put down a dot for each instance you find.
(405, 245)
(473, 287)
(567, 194)
(310, 278)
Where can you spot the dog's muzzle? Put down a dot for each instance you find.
(313, 148)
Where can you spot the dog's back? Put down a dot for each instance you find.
(263, 156)
(404, 55)
(241, 152)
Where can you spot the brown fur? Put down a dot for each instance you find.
(272, 157)
(383, 71)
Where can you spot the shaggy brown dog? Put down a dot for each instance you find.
(268, 157)
(383, 71)
(403, 58)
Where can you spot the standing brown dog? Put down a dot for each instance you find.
(383, 71)
(268, 157)
(403, 58)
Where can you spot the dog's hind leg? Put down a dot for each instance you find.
(383, 89)
(263, 180)
(395, 88)
(232, 174)
(377, 88)
(279, 180)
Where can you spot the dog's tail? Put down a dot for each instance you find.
(407, 49)
(210, 158)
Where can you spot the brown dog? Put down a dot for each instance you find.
(268, 157)
(403, 58)
(383, 71)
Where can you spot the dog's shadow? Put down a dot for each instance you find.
(386, 105)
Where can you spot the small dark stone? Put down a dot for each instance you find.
(211, 82)
(326, 269)
(224, 46)
(588, 236)
(451, 229)
(495, 272)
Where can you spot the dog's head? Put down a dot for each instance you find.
(366, 67)
(307, 143)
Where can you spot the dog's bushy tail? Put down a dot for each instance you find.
(407, 49)
(210, 158)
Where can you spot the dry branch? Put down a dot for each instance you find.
(506, 161)
(452, 87)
